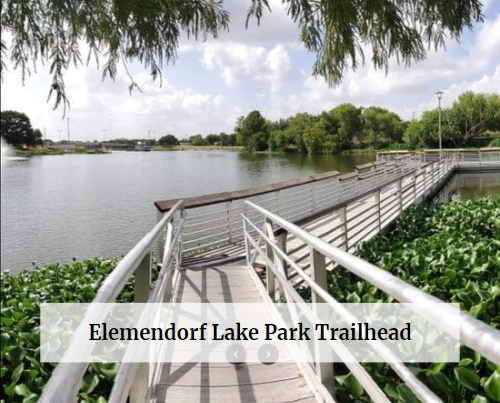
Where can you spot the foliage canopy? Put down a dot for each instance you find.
(16, 128)
(342, 34)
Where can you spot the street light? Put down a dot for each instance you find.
(440, 95)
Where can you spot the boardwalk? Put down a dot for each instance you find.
(223, 382)
(294, 230)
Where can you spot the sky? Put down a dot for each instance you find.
(266, 68)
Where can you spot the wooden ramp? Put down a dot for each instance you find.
(224, 382)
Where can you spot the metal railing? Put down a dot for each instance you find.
(463, 156)
(162, 244)
(269, 244)
(214, 221)
(347, 223)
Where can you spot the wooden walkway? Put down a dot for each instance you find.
(224, 382)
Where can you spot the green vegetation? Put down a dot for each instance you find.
(494, 143)
(343, 128)
(338, 32)
(16, 128)
(47, 151)
(168, 140)
(451, 251)
(22, 374)
(348, 127)
(470, 116)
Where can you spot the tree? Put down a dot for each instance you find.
(212, 139)
(168, 140)
(470, 115)
(16, 128)
(425, 132)
(473, 114)
(197, 140)
(337, 31)
(252, 132)
(348, 120)
(320, 137)
(381, 126)
(227, 139)
(296, 127)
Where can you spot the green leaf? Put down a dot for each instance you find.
(88, 387)
(353, 298)
(353, 386)
(22, 390)
(440, 383)
(406, 395)
(492, 385)
(480, 399)
(467, 377)
(16, 374)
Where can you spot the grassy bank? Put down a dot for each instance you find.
(47, 151)
(451, 251)
(188, 147)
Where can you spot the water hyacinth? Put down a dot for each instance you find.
(23, 375)
(450, 250)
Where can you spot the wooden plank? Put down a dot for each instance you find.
(285, 391)
(227, 374)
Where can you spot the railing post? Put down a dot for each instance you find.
(229, 221)
(379, 212)
(281, 242)
(160, 243)
(343, 218)
(270, 277)
(139, 387)
(318, 273)
(415, 188)
(313, 197)
(245, 239)
(168, 244)
(400, 193)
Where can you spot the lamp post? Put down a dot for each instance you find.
(440, 95)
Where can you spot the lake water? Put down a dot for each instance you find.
(55, 208)
(470, 186)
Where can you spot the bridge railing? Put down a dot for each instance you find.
(270, 247)
(464, 156)
(214, 221)
(346, 223)
(163, 244)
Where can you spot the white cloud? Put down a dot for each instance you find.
(98, 106)
(410, 90)
(262, 68)
(237, 63)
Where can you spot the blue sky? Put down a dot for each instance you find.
(264, 68)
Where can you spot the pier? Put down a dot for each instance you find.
(258, 245)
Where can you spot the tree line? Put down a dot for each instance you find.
(345, 127)
(349, 127)
(16, 129)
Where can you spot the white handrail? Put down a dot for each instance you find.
(474, 334)
(65, 381)
(419, 388)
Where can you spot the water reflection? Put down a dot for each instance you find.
(55, 208)
(470, 186)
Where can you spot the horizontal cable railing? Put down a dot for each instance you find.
(345, 224)
(477, 157)
(214, 221)
(162, 244)
(269, 244)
